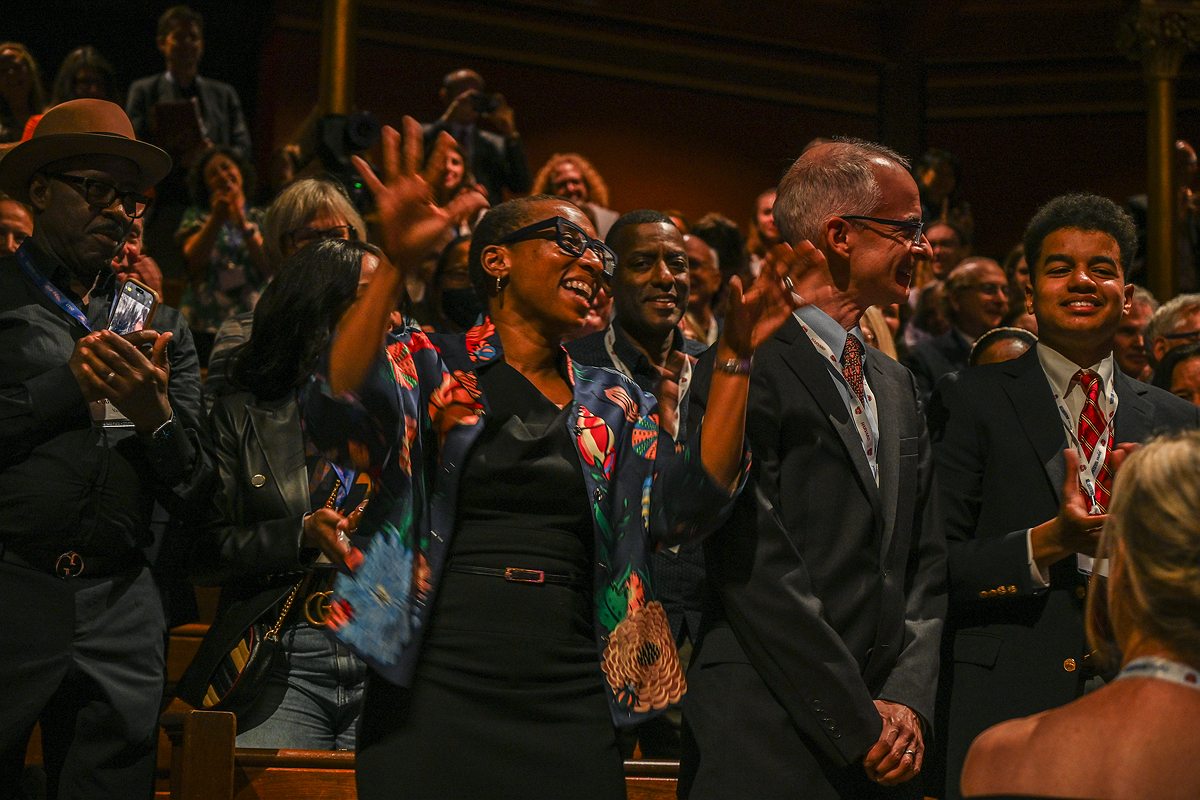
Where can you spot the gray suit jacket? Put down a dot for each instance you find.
(828, 592)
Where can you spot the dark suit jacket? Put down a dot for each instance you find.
(221, 109)
(1011, 651)
(827, 591)
(496, 162)
(935, 357)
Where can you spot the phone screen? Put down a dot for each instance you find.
(132, 308)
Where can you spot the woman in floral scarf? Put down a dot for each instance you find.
(502, 595)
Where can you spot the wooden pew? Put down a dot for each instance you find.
(206, 765)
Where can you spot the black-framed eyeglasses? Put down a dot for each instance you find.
(912, 228)
(306, 235)
(569, 237)
(102, 195)
(1191, 336)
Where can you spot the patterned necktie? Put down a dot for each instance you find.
(852, 365)
(1091, 428)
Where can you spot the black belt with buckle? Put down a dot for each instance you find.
(516, 574)
(72, 564)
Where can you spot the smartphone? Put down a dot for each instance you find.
(133, 307)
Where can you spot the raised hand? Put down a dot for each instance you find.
(412, 224)
(755, 314)
(111, 367)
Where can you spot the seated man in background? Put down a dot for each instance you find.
(572, 177)
(976, 298)
(16, 225)
(1129, 344)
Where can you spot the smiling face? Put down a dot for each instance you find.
(567, 181)
(85, 238)
(1079, 293)
(221, 175)
(650, 288)
(764, 218)
(947, 248)
(979, 298)
(882, 258)
(546, 287)
(454, 169)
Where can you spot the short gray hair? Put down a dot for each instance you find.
(300, 202)
(1169, 316)
(838, 180)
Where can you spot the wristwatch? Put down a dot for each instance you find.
(164, 432)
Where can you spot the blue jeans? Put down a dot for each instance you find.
(312, 698)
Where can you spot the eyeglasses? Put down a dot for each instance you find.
(912, 227)
(306, 235)
(102, 195)
(569, 237)
(1190, 336)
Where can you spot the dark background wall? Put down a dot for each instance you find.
(700, 104)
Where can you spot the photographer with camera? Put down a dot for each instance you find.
(497, 159)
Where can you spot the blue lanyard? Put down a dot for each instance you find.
(50, 289)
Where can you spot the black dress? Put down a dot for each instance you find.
(508, 698)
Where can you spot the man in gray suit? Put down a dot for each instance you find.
(818, 656)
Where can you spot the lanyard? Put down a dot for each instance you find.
(1162, 668)
(50, 290)
(1091, 472)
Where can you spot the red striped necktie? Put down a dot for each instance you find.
(1091, 427)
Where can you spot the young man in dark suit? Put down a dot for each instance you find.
(815, 672)
(1015, 434)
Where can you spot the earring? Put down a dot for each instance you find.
(499, 284)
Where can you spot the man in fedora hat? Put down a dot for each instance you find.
(93, 428)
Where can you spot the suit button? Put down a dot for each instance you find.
(1080, 592)
(1069, 665)
(258, 480)
(816, 704)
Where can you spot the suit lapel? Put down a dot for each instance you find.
(1135, 414)
(1033, 402)
(802, 357)
(887, 454)
(288, 467)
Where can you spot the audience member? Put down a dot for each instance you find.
(1000, 344)
(533, 495)
(497, 160)
(1176, 322)
(950, 246)
(308, 211)
(704, 281)
(1129, 346)
(264, 542)
(764, 233)
(16, 225)
(929, 319)
(877, 332)
(84, 73)
(645, 344)
(1179, 372)
(937, 173)
(572, 177)
(222, 242)
(1133, 738)
(722, 234)
(78, 488)
(153, 100)
(131, 262)
(1019, 549)
(21, 92)
(452, 305)
(976, 297)
(1017, 270)
(816, 668)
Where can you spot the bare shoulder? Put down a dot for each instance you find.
(997, 756)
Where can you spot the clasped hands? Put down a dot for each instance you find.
(114, 368)
(900, 751)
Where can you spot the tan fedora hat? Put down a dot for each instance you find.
(78, 128)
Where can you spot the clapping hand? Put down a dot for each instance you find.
(755, 314)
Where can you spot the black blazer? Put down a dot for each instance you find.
(1011, 651)
(827, 591)
(221, 109)
(933, 358)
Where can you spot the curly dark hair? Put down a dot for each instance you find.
(1085, 212)
(296, 316)
(198, 189)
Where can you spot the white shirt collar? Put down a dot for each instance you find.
(1059, 370)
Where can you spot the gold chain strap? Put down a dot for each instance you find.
(303, 582)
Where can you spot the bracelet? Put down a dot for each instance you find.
(163, 432)
(735, 366)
